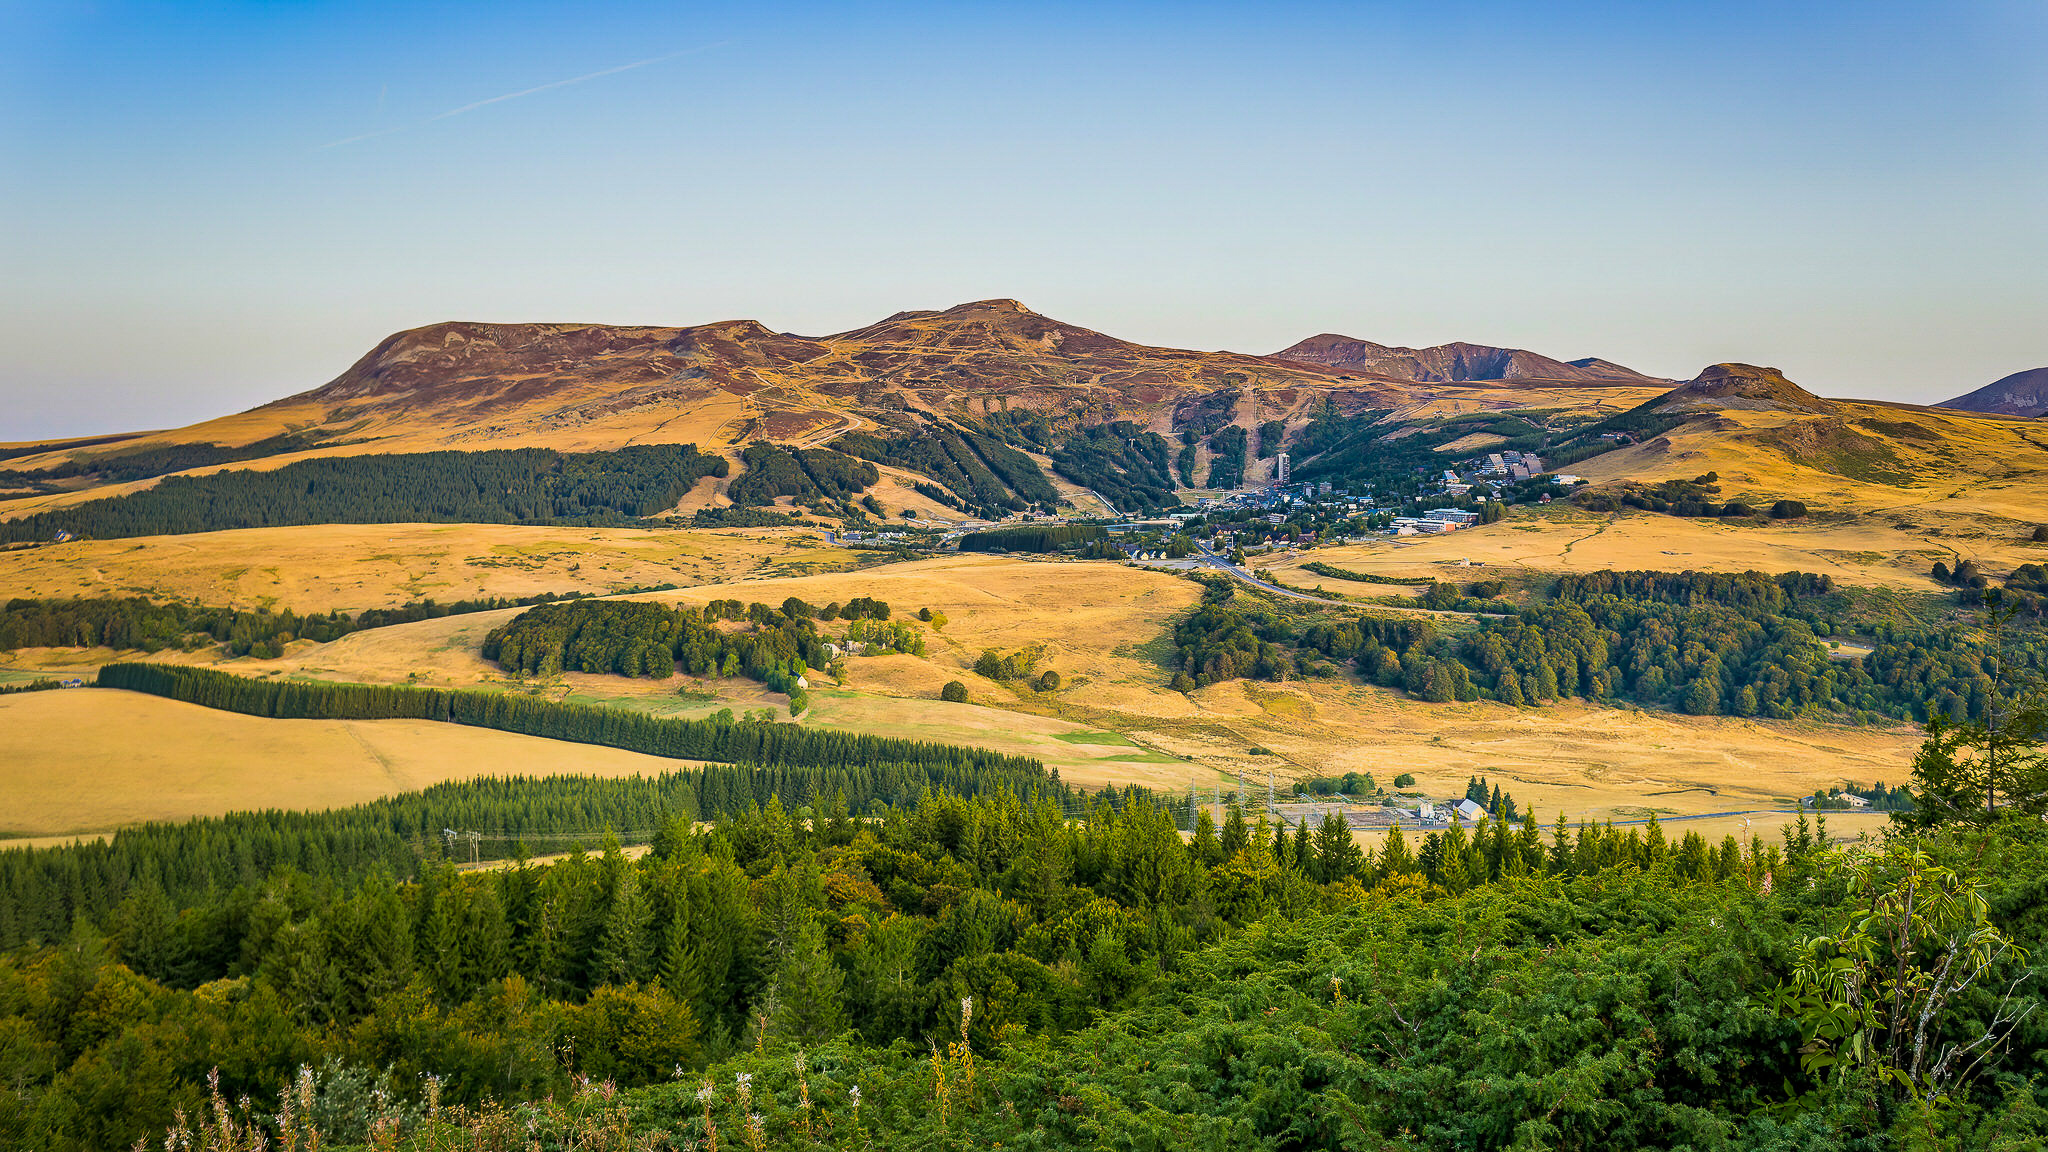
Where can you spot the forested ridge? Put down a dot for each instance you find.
(501, 486)
(808, 474)
(979, 472)
(1740, 644)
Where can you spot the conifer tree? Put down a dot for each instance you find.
(1204, 847)
(807, 989)
(623, 952)
(1234, 836)
(1336, 853)
(1395, 859)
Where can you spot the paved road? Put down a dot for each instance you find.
(1208, 556)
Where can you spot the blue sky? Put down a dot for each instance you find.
(204, 207)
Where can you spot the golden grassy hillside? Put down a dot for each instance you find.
(1104, 627)
(92, 761)
(1927, 466)
(1886, 551)
(1101, 625)
(349, 567)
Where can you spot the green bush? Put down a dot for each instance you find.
(954, 692)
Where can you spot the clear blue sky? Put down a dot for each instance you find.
(207, 206)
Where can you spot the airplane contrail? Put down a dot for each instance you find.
(471, 107)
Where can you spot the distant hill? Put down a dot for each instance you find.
(1456, 363)
(1723, 387)
(2020, 394)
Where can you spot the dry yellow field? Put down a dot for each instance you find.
(91, 761)
(1105, 627)
(355, 566)
(1870, 551)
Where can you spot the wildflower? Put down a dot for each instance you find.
(854, 1093)
(704, 1093)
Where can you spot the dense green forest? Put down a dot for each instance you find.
(806, 473)
(1743, 644)
(776, 646)
(978, 471)
(507, 486)
(1016, 971)
(1129, 467)
(43, 893)
(140, 624)
(1032, 538)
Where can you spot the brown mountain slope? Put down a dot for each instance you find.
(2020, 394)
(476, 385)
(1455, 363)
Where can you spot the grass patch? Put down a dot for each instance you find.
(1144, 758)
(1094, 738)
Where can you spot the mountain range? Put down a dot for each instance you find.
(1457, 363)
(723, 385)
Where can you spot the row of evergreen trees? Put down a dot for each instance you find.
(1032, 538)
(769, 745)
(44, 892)
(137, 623)
(507, 486)
(637, 638)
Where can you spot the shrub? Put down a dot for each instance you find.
(1788, 510)
(2040, 535)
(954, 692)
(1405, 780)
(1048, 681)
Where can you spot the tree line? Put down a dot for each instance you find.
(1032, 538)
(137, 623)
(769, 745)
(502, 486)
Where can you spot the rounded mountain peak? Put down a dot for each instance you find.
(1724, 386)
